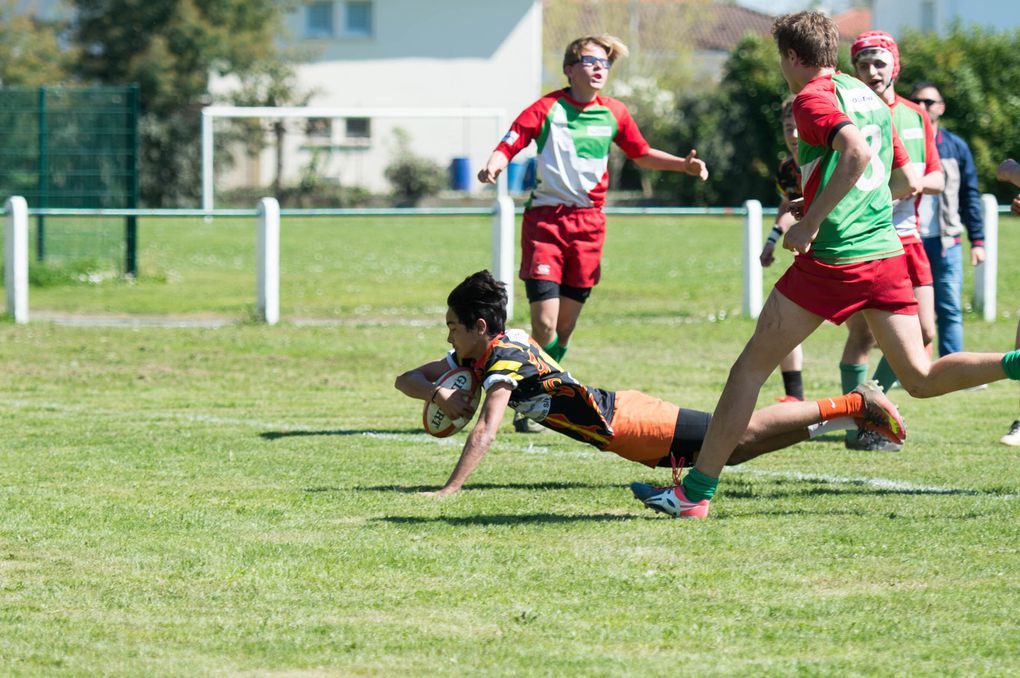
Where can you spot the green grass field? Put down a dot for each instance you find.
(243, 500)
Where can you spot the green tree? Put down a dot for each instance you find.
(737, 129)
(271, 82)
(30, 52)
(171, 48)
(976, 70)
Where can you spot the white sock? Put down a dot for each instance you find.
(839, 424)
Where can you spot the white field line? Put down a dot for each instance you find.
(503, 445)
(877, 483)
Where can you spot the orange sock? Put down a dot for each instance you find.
(848, 405)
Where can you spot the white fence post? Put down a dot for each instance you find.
(16, 258)
(752, 264)
(503, 244)
(267, 263)
(985, 274)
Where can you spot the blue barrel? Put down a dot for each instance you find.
(515, 177)
(460, 174)
(528, 179)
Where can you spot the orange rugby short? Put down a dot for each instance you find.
(646, 429)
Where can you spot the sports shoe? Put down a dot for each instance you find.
(1013, 437)
(789, 399)
(880, 415)
(524, 425)
(870, 441)
(669, 500)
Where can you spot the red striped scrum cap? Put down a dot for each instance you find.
(877, 40)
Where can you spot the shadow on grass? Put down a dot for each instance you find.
(411, 489)
(508, 519)
(276, 435)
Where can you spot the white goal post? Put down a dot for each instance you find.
(502, 210)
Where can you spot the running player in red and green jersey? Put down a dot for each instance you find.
(515, 372)
(850, 256)
(876, 61)
(564, 226)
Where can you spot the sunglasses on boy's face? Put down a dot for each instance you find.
(590, 61)
(927, 103)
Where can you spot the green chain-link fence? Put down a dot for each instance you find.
(74, 147)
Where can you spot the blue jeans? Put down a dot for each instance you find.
(947, 271)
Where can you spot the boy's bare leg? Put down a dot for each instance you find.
(544, 315)
(793, 361)
(859, 341)
(775, 427)
(570, 310)
(925, 296)
(554, 317)
(899, 337)
(781, 326)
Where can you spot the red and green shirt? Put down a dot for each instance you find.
(859, 228)
(918, 137)
(572, 167)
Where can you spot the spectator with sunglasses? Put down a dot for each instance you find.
(564, 225)
(943, 222)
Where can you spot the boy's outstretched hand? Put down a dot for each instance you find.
(487, 176)
(696, 167)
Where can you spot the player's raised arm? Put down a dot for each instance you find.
(660, 160)
(479, 440)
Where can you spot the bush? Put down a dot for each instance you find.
(412, 176)
(976, 70)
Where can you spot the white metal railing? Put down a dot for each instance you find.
(16, 258)
(268, 215)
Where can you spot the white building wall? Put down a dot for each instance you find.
(895, 16)
(428, 54)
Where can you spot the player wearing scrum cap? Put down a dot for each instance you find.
(850, 259)
(876, 60)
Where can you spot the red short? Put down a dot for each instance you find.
(836, 292)
(918, 265)
(563, 244)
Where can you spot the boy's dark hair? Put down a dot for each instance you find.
(923, 84)
(480, 296)
(812, 35)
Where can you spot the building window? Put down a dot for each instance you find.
(358, 130)
(358, 18)
(319, 20)
(319, 129)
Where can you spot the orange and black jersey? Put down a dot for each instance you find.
(542, 390)
(788, 180)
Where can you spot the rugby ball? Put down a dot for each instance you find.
(434, 420)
